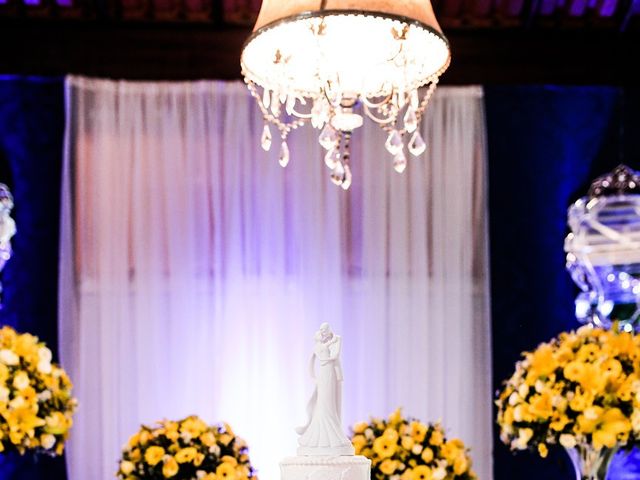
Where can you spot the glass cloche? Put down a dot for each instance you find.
(603, 250)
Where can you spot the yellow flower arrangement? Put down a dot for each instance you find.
(407, 449)
(580, 390)
(186, 449)
(36, 405)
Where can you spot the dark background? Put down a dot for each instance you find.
(546, 145)
(31, 141)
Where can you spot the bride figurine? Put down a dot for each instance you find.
(323, 435)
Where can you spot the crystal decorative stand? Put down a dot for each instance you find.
(7, 226)
(603, 258)
(589, 463)
(603, 250)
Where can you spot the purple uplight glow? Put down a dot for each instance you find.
(608, 8)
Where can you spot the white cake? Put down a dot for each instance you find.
(354, 467)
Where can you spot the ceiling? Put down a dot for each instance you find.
(492, 41)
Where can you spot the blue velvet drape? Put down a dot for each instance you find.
(546, 144)
(31, 142)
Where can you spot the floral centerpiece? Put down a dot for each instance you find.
(580, 391)
(186, 449)
(36, 405)
(406, 449)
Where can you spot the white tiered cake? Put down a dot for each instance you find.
(325, 452)
(344, 467)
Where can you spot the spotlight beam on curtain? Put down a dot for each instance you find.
(194, 270)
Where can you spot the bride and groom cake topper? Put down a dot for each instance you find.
(325, 452)
(323, 435)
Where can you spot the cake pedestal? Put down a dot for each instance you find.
(352, 467)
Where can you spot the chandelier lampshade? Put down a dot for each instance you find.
(332, 63)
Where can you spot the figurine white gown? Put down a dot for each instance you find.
(323, 434)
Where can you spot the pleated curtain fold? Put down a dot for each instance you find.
(195, 270)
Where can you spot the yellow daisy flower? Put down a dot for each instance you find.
(135, 455)
(543, 450)
(208, 439)
(422, 472)
(126, 467)
(418, 431)
(384, 446)
(186, 455)
(427, 455)
(395, 417)
(588, 352)
(407, 442)
(436, 438)
(133, 440)
(574, 371)
(388, 467)
(170, 468)
(57, 423)
(543, 362)
(225, 471)
(230, 460)
(359, 427)
(461, 464)
(392, 434)
(193, 426)
(407, 474)
(541, 406)
(153, 455)
(358, 442)
(608, 427)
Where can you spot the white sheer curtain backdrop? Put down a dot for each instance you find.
(194, 270)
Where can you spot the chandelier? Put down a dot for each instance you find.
(331, 63)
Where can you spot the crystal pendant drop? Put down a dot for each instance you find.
(329, 137)
(275, 105)
(325, 114)
(399, 162)
(393, 143)
(332, 158)
(401, 99)
(415, 101)
(416, 144)
(291, 103)
(332, 93)
(410, 120)
(316, 114)
(337, 174)
(283, 159)
(266, 98)
(265, 140)
(346, 183)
